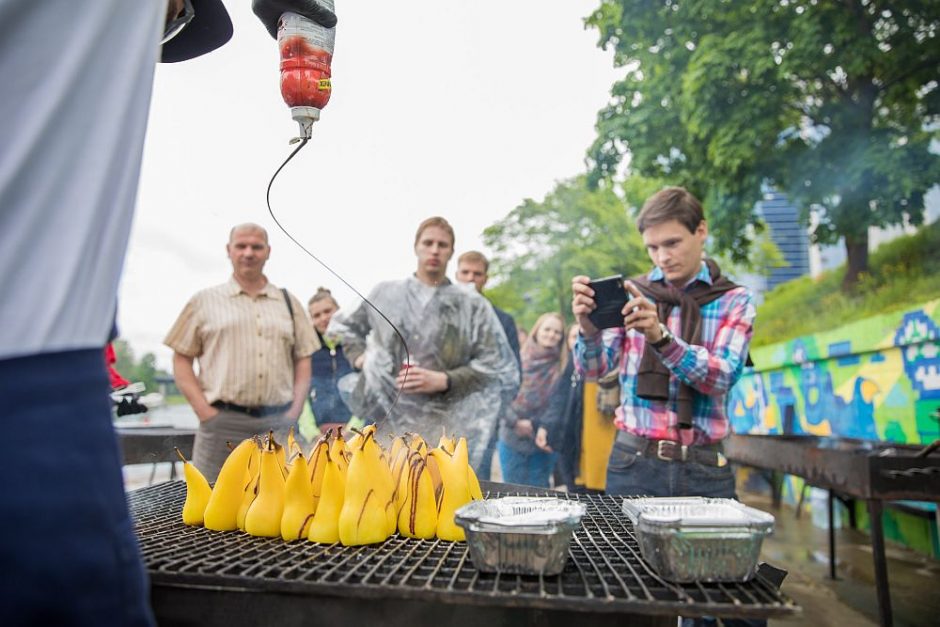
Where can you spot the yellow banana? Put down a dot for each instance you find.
(363, 519)
(265, 513)
(222, 508)
(298, 501)
(455, 491)
(251, 488)
(197, 493)
(325, 525)
(317, 466)
(418, 516)
(338, 451)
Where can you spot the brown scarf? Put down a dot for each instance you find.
(653, 378)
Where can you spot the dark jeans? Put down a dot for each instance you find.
(533, 468)
(67, 544)
(631, 474)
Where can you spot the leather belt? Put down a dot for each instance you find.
(671, 451)
(255, 412)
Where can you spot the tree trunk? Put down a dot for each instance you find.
(856, 248)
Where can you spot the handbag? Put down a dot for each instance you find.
(608, 393)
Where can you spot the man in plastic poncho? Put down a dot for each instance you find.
(461, 368)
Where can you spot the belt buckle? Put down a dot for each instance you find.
(668, 445)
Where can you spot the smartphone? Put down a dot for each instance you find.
(610, 297)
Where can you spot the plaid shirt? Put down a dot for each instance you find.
(710, 369)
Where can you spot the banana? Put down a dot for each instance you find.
(317, 466)
(338, 451)
(298, 501)
(251, 488)
(325, 525)
(418, 515)
(455, 492)
(197, 493)
(363, 519)
(222, 508)
(265, 513)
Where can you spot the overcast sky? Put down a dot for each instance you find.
(456, 108)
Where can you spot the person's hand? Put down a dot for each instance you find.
(523, 428)
(207, 414)
(269, 12)
(640, 314)
(541, 440)
(361, 359)
(582, 303)
(173, 9)
(421, 380)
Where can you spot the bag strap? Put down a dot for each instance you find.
(290, 310)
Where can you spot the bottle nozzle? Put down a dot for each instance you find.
(305, 117)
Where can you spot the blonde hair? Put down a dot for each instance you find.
(322, 294)
(562, 344)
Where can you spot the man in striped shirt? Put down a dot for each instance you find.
(253, 343)
(682, 345)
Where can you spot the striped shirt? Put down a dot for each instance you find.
(245, 346)
(710, 369)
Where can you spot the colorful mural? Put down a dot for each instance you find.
(876, 379)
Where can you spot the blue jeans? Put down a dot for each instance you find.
(630, 474)
(67, 542)
(526, 469)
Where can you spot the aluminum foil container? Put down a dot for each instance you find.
(688, 539)
(520, 535)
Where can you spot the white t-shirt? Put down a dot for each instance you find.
(76, 79)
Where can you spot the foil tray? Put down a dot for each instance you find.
(520, 535)
(688, 539)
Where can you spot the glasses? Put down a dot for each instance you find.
(178, 23)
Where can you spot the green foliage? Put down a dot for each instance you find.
(833, 103)
(540, 246)
(144, 370)
(903, 272)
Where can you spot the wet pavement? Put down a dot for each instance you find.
(803, 549)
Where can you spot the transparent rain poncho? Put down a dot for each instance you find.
(449, 328)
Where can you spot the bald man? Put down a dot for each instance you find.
(253, 343)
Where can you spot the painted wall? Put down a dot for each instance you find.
(877, 379)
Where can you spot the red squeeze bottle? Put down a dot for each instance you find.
(306, 52)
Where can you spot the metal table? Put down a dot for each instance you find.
(205, 577)
(863, 469)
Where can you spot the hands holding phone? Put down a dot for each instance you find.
(595, 306)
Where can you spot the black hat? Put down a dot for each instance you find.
(210, 28)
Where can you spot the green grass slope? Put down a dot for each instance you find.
(903, 273)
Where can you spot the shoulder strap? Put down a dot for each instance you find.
(290, 309)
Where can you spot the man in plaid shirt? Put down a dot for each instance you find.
(682, 345)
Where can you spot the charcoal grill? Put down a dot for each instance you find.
(863, 469)
(206, 578)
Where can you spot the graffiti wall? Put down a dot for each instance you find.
(877, 379)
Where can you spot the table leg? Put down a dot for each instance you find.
(832, 537)
(881, 566)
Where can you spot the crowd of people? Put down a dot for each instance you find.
(577, 407)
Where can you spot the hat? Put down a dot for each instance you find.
(209, 29)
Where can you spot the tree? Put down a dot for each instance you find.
(145, 370)
(540, 246)
(835, 103)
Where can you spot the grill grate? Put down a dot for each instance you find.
(605, 572)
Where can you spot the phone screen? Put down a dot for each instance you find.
(610, 297)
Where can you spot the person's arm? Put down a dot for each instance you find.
(715, 371)
(188, 384)
(301, 387)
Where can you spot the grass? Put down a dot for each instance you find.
(902, 273)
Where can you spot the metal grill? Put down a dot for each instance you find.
(605, 572)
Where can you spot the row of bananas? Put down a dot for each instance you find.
(353, 492)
